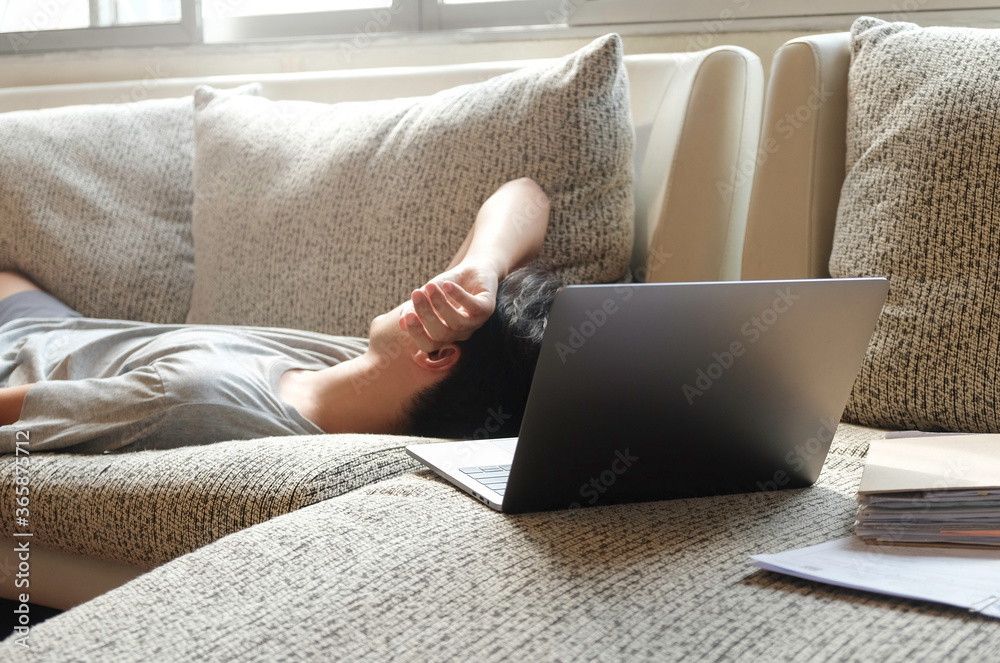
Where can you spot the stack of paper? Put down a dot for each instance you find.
(938, 490)
(934, 490)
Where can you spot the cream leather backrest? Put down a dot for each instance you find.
(801, 160)
(697, 157)
(697, 118)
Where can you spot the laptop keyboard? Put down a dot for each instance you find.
(493, 477)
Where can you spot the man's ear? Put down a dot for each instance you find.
(441, 361)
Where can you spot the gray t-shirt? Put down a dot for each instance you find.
(104, 385)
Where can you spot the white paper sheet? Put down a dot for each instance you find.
(963, 577)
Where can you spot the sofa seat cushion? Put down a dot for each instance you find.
(410, 569)
(148, 507)
(921, 206)
(323, 216)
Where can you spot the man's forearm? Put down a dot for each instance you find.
(510, 227)
(11, 401)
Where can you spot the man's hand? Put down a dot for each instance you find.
(451, 306)
(508, 233)
(11, 401)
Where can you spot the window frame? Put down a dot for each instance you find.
(430, 22)
(513, 14)
(185, 32)
(402, 17)
(408, 17)
(772, 13)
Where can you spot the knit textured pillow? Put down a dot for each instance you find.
(321, 216)
(95, 205)
(921, 206)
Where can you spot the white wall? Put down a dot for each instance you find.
(317, 55)
(138, 64)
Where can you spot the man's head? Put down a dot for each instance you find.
(483, 392)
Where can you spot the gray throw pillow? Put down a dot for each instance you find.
(95, 205)
(921, 206)
(321, 216)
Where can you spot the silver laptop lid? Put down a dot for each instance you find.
(659, 391)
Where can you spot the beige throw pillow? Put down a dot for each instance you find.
(323, 216)
(921, 206)
(95, 205)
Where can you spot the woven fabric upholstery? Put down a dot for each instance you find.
(148, 507)
(322, 216)
(95, 205)
(96, 202)
(412, 570)
(921, 206)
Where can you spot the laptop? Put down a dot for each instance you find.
(654, 391)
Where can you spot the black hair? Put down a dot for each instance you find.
(484, 394)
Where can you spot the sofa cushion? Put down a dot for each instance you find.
(145, 508)
(321, 217)
(921, 206)
(95, 205)
(412, 569)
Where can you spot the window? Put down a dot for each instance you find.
(244, 20)
(463, 14)
(42, 25)
(26, 16)
(248, 20)
(603, 12)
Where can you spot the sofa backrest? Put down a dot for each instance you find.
(801, 160)
(696, 117)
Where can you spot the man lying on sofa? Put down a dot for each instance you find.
(463, 346)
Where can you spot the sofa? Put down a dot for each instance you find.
(319, 549)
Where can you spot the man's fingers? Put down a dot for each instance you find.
(433, 326)
(415, 328)
(445, 309)
(402, 317)
(474, 304)
(459, 294)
